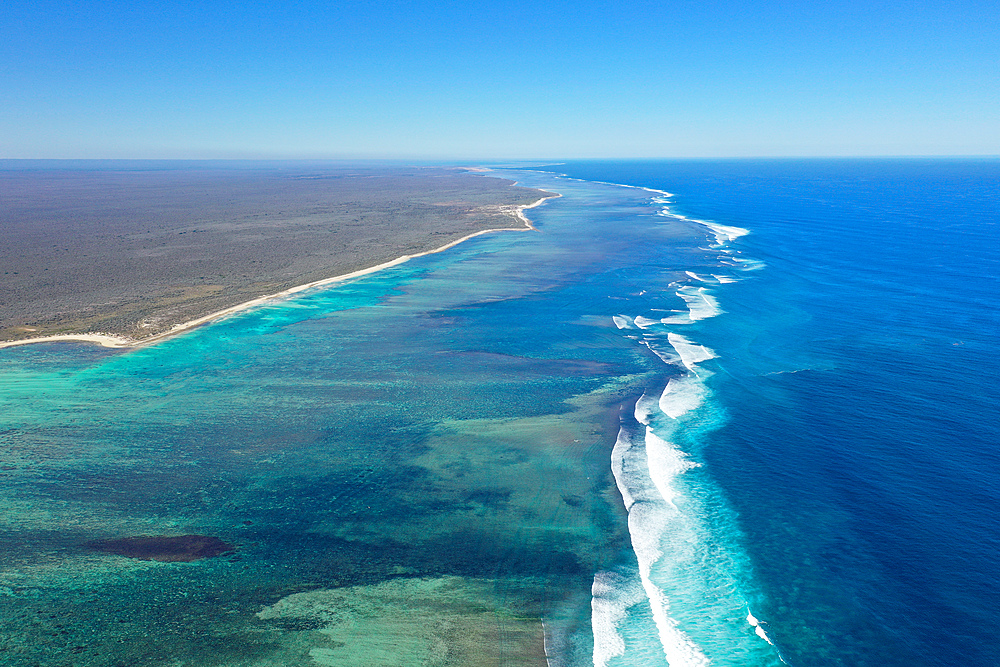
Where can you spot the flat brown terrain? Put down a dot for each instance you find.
(134, 252)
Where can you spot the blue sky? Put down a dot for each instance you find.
(451, 80)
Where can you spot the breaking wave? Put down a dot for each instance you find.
(671, 534)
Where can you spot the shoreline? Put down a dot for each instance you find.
(118, 342)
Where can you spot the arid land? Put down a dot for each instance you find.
(133, 253)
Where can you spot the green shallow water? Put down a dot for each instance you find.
(430, 442)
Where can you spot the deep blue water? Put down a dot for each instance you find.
(860, 379)
(751, 422)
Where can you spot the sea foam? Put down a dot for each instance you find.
(646, 408)
(619, 462)
(722, 233)
(605, 617)
(681, 396)
(622, 321)
(666, 356)
(701, 304)
(725, 233)
(666, 524)
(759, 631)
(651, 513)
(747, 264)
(612, 594)
(644, 322)
(690, 353)
(664, 462)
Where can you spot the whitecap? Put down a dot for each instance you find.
(611, 596)
(690, 353)
(725, 233)
(682, 395)
(664, 461)
(749, 264)
(622, 321)
(664, 356)
(644, 322)
(680, 650)
(759, 631)
(645, 408)
(700, 301)
(622, 445)
(648, 522)
(643, 471)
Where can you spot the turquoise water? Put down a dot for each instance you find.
(614, 441)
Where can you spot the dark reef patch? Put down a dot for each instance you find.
(166, 549)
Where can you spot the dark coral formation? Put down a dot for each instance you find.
(166, 549)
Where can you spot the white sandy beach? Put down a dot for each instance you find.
(113, 341)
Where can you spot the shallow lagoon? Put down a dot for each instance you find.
(428, 442)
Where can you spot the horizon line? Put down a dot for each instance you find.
(545, 160)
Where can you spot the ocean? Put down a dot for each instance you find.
(711, 412)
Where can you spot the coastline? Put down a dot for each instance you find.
(118, 342)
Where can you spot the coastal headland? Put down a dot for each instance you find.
(127, 256)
